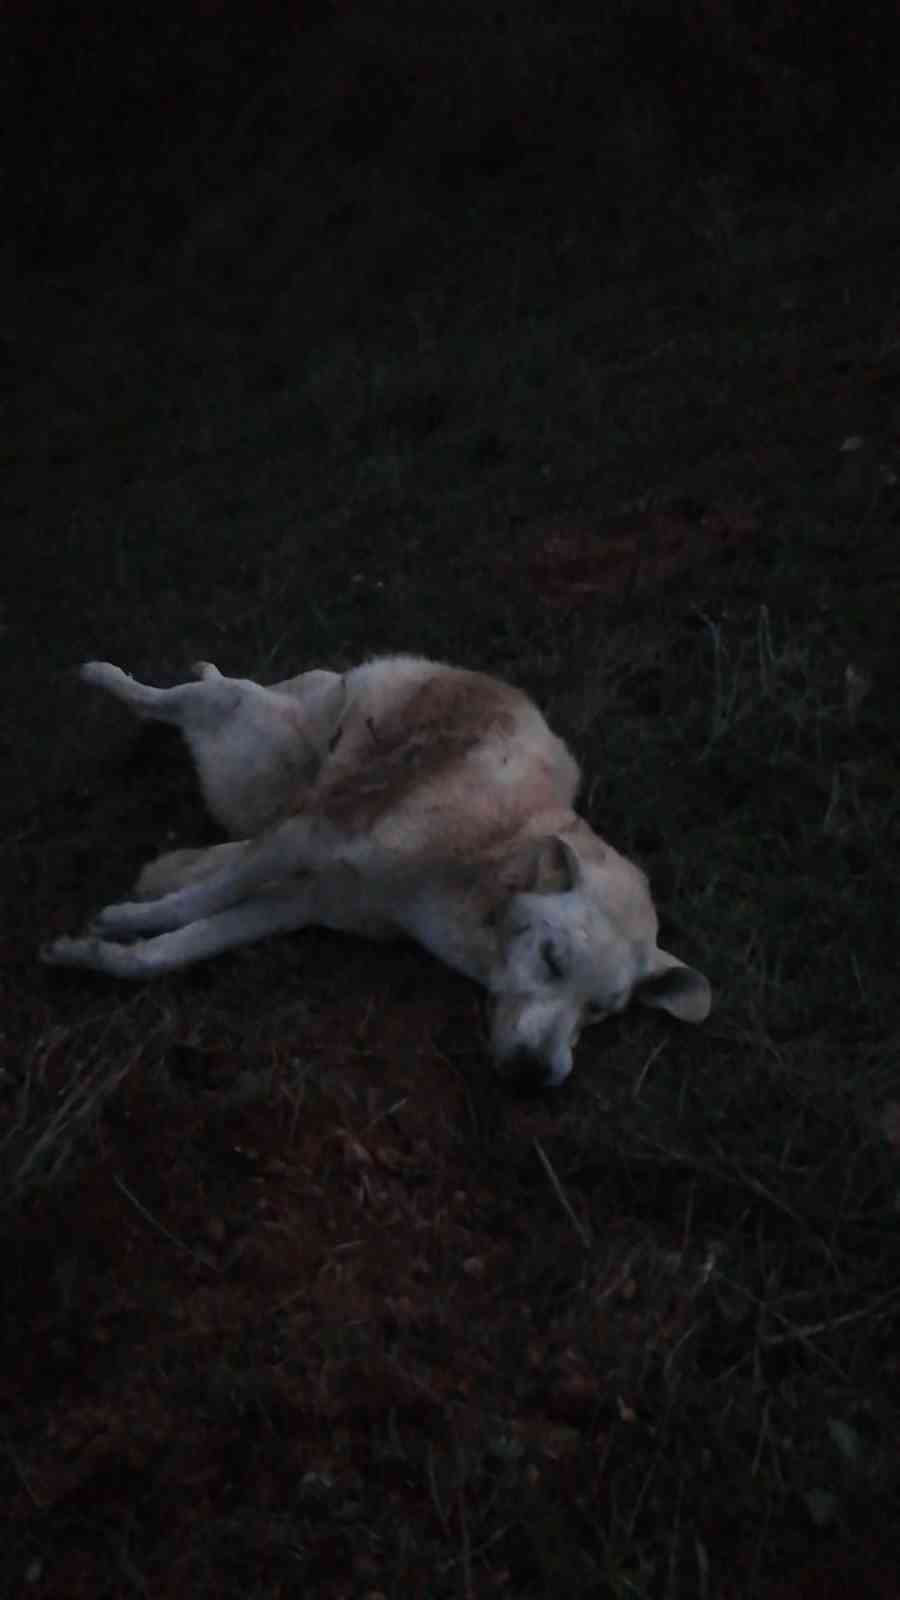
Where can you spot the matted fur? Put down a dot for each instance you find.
(402, 797)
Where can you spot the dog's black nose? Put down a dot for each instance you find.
(526, 1074)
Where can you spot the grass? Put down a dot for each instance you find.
(297, 1295)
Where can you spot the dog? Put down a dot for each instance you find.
(402, 797)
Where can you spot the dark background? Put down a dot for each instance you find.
(562, 341)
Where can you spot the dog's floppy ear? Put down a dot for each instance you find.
(675, 988)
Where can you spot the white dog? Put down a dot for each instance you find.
(404, 797)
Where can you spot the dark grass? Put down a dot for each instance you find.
(297, 1298)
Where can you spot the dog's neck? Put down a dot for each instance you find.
(457, 911)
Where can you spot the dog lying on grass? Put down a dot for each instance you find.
(402, 797)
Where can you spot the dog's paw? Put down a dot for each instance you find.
(99, 955)
(66, 952)
(103, 674)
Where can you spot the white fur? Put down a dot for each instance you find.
(404, 797)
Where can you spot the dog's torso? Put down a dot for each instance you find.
(435, 763)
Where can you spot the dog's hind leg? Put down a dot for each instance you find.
(210, 701)
(257, 751)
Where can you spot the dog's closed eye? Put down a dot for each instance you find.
(552, 959)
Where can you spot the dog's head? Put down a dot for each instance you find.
(576, 946)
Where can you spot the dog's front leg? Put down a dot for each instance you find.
(299, 845)
(279, 912)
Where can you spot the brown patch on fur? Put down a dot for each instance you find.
(415, 743)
